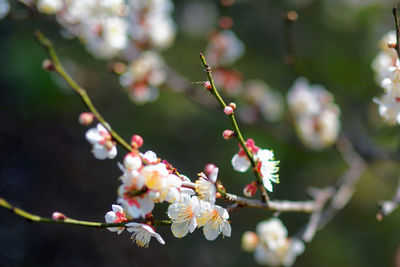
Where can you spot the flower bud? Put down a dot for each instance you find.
(136, 141)
(228, 134)
(208, 169)
(225, 22)
(250, 189)
(86, 118)
(48, 65)
(228, 110)
(207, 85)
(58, 216)
(249, 241)
(232, 105)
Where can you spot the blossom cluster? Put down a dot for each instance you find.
(148, 180)
(271, 244)
(266, 165)
(315, 114)
(114, 27)
(387, 74)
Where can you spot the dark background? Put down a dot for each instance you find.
(46, 164)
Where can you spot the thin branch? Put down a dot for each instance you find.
(214, 92)
(387, 207)
(273, 205)
(347, 182)
(35, 218)
(58, 68)
(396, 20)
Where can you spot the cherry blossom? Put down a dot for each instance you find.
(205, 186)
(103, 144)
(183, 215)
(142, 233)
(117, 215)
(214, 221)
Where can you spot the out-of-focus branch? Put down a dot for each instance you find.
(273, 205)
(388, 206)
(57, 67)
(238, 135)
(35, 218)
(396, 20)
(289, 18)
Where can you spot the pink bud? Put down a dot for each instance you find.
(250, 189)
(58, 216)
(228, 134)
(207, 85)
(136, 141)
(249, 241)
(228, 110)
(48, 65)
(232, 105)
(86, 118)
(208, 169)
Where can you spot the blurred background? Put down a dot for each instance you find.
(46, 164)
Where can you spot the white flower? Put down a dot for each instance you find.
(268, 168)
(136, 206)
(103, 145)
(272, 233)
(205, 186)
(224, 48)
(240, 162)
(142, 233)
(316, 115)
(117, 215)
(274, 248)
(183, 215)
(389, 107)
(282, 256)
(49, 7)
(214, 221)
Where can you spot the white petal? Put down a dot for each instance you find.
(240, 164)
(150, 156)
(210, 233)
(117, 208)
(93, 136)
(214, 175)
(267, 184)
(110, 217)
(99, 152)
(112, 153)
(179, 230)
(226, 229)
(193, 224)
(159, 238)
(132, 226)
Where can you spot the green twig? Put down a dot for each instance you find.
(36, 218)
(58, 68)
(214, 92)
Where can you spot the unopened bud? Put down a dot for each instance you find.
(292, 16)
(136, 141)
(221, 187)
(58, 216)
(228, 110)
(48, 65)
(209, 168)
(249, 241)
(250, 189)
(86, 118)
(228, 134)
(232, 105)
(207, 85)
(225, 22)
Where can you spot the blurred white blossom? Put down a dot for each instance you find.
(315, 114)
